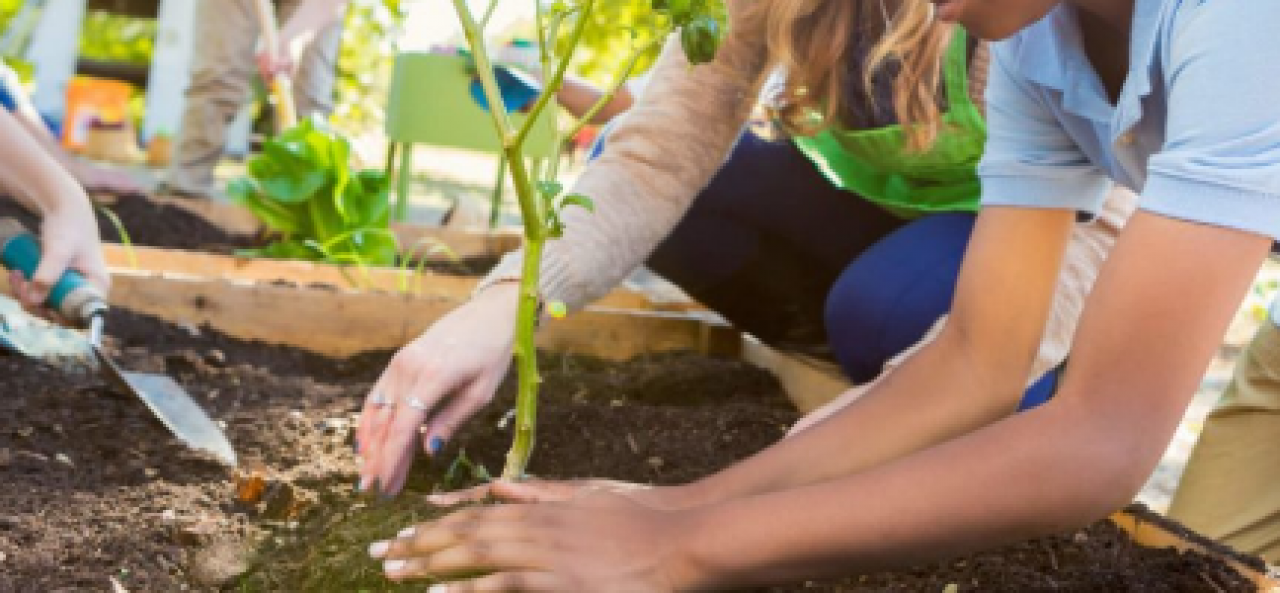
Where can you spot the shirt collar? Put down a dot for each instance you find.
(1051, 54)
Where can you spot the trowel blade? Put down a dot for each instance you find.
(184, 418)
(173, 406)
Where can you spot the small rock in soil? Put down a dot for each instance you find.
(219, 563)
(6, 458)
(30, 457)
(64, 460)
(215, 358)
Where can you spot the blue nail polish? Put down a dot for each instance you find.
(437, 443)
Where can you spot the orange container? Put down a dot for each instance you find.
(91, 98)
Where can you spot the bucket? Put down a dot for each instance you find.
(93, 99)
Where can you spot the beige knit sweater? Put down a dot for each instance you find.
(668, 146)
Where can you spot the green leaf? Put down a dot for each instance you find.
(550, 189)
(578, 200)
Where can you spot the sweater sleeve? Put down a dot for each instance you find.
(659, 155)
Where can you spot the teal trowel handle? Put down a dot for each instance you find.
(73, 296)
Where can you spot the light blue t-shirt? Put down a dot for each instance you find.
(1196, 129)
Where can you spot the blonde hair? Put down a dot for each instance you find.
(810, 40)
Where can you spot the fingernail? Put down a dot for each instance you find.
(394, 565)
(378, 549)
(406, 532)
(437, 443)
(441, 588)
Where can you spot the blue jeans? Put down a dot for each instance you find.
(804, 266)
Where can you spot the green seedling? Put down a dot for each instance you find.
(301, 187)
(540, 196)
(123, 232)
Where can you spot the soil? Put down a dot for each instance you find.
(171, 227)
(96, 489)
(153, 225)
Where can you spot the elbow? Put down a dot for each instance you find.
(1104, 463)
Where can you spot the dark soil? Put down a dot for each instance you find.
(95, 489)
(151, 224)
(171, 227)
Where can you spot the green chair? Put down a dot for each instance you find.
(431, 102)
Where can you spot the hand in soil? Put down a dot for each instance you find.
(545, 491)
(600, 542)
(439, 380)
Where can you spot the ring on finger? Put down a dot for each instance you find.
(417, 404)
(378, 400)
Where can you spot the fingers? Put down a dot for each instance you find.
(392, 436)
(463, 543)
(54, 259)
(441, 428)
(526, 580)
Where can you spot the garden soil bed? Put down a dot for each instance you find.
(163, 225)
(94, 489)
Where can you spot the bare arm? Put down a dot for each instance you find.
(972, 374)
(578, 96)
(1145, 340)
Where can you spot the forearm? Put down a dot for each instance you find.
(1007, 482)
(934, 396)
(32, 174)
(578, 97)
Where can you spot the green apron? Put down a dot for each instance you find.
(876, 165)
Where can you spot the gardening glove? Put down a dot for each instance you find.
(68, 240)
(433, 385)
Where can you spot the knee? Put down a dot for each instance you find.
(857, 319)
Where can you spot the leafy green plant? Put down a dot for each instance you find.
(561, 27)
(301, 188)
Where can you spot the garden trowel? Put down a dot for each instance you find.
(80, 303)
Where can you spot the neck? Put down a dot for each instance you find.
(1116, 14)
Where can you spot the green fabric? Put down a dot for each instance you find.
(876, 165)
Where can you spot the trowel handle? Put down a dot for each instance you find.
(73, 297)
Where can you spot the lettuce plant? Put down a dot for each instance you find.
(302, 188)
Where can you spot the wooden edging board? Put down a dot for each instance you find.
(337, 322)
(1152, 535)
(458, 288)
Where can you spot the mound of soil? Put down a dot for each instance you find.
(95, 489)
(151, 224)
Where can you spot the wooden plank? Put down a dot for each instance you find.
(1152, 535)
(455, 288)
(341, 323)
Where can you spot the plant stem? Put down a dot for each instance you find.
(557, 80)
(528, 378)
(484, 67)
(618, 80)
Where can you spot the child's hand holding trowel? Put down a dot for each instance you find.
(68, 229)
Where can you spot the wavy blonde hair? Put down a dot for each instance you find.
(810, 39)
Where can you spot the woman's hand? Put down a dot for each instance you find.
(599, 542)
(68, 240)
(439, 380)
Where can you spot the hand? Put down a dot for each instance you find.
(600, 542)
(275, 63)
(527, 491)
(440, 379)
(68, 240)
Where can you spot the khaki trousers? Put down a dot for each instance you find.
(222, 77)
(1231, 488)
